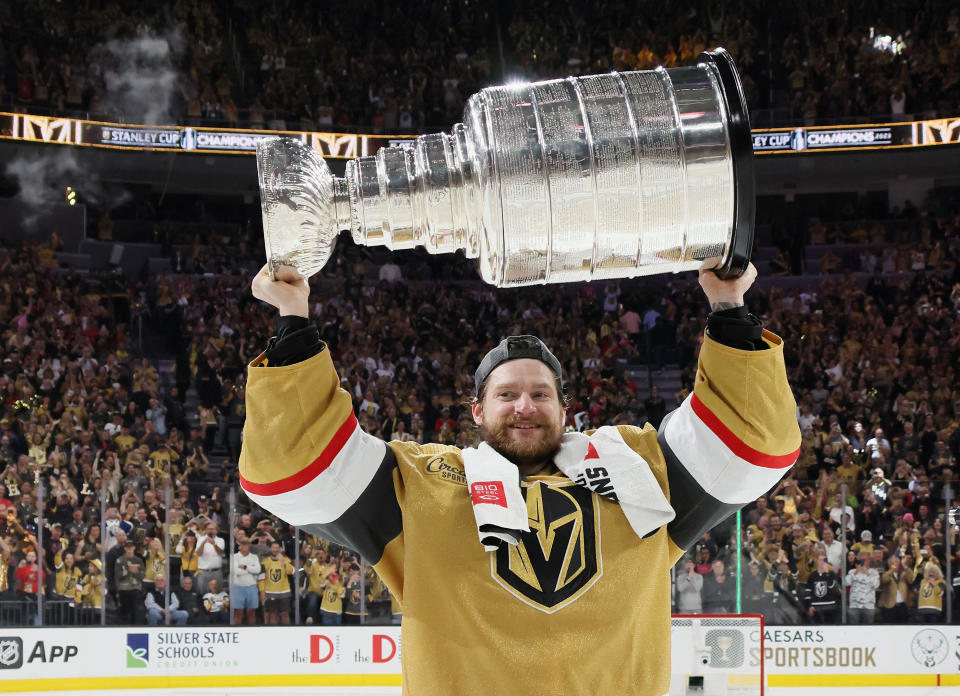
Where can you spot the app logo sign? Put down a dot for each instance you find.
(138, 650)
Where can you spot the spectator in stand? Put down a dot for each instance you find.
(210, 550)
(353, 599)
(155, 603)
(129, 570)
(89, 594)
(704, 564)
(216, 603)
(275, 586)
(190, 601)
(832, 548)
(189, 559)
(29, 581)
(822, 594)
(930, 596)
(245, 569)
(315, 573)
(719, 592)
(689, 585)
(896, 592)
(878, 447)
(331, 605)
(68, 576)
(863, 582)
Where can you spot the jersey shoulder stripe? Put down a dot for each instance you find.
(311, 471)
(737, 446)
(716, 468)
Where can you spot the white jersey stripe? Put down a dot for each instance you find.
(331, 493)
(722, 474)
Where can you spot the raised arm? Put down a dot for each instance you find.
(304, 456)
(736, 435)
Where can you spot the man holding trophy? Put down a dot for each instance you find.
(553, 550)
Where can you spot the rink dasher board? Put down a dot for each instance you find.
(367, 659)
(831, 657)
(73, 659)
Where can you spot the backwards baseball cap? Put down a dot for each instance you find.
(514, 348)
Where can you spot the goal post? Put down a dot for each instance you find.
(716, 655)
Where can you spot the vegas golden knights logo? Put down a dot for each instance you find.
(558, 560)
(276, 574)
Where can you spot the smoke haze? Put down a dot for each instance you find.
(43, 179)
(138, 80)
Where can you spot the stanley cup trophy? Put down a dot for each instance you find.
(605, 176)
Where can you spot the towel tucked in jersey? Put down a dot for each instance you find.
(601, 462)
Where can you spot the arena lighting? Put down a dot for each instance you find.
(517, 81)
(71, 195)
(885, 42)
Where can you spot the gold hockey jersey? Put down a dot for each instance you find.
(581, 605)
(274, 579)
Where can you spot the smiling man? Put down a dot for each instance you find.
(537, 562)
(524, 416)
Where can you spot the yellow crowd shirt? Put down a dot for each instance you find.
(88, 591)
(66, 581)
(332, 599)
(275, 573)
(156, 562)
(930, 595)
(317, 576)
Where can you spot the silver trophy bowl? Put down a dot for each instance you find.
(605, 176)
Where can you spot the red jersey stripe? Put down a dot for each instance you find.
(738, 446)
(307, 474)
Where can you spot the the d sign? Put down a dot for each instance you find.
(379, 642)
(321, 648)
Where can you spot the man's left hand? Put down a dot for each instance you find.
(724, 294)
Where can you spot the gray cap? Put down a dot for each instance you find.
(513, 348)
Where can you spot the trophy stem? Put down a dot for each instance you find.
(404, 197)
(343, 220)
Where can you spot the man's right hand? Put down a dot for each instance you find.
(290, 297)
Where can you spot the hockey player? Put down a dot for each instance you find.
(538, 562)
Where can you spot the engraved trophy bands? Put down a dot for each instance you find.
(605, 176)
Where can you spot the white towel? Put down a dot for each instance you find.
(602, 463)
(494, 485)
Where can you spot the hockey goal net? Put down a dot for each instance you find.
(717, 655)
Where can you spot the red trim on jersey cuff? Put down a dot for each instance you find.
(738, 446)
(307, 474)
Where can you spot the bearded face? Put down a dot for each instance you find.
(520, 415)
(524, 441)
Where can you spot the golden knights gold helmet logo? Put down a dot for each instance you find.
(275, 574)
(558, 560)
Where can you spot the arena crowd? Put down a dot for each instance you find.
(308, 66)
(118, 461)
